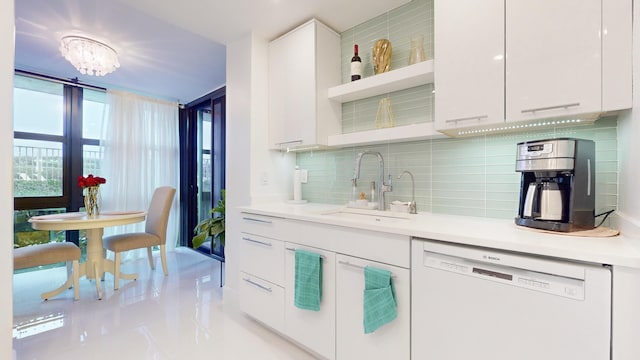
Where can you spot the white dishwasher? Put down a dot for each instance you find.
(472, 303)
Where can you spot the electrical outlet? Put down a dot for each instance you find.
(264, 179)
(303, 176)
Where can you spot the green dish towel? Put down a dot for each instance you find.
(308, 280)
(380, 306)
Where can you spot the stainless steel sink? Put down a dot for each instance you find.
(367, 216)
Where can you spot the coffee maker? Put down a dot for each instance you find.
(557, 186)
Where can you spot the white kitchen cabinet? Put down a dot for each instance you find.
(315, 330)
(267, 247)
(261, 288)
(469, 63)
(520, 62)
(554, 58)
(392, 340)
(303, 64)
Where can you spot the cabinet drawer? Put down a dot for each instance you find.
(387, 248)
(267, 226)
(263, 257)
(262, 300)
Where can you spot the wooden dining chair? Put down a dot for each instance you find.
(155, 233)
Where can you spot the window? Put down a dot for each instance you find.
(37, 168)
(38, 123)
(38, 106)
(93, 111)
(56, 138)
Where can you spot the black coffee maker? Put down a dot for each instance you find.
(557, 186)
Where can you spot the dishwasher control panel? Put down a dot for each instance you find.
(533, 280)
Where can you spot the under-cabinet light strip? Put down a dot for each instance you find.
(521, 126)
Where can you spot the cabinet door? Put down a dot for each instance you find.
(392, 340)
(468, 63)
(292, 84)
(553, 66)
(262, 300)
(315, 330)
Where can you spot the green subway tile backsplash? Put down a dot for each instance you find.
(410, 106)
(467, 176)
(398, 25)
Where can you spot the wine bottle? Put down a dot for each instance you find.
(356, 65)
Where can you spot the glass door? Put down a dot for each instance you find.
(202, 134)
(204, 168)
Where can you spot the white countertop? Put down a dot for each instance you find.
(494, 233)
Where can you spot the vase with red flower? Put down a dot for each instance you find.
(91, 190)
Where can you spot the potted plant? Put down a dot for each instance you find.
(212, 227)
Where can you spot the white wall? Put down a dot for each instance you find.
(628, 211)
(626, 290)
(272, 171)
(254, 174)
(7, 44)
(238, 142)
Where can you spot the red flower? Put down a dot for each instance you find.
(90, 180)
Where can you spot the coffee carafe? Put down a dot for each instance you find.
(545, 200)
(557, 187)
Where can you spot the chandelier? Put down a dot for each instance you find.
(89, 56)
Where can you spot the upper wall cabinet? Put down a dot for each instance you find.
(303, 64)
(469, 63)
(554, 58)
(559, 60)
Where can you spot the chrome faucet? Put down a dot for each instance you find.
(382, 187)
(412, 203)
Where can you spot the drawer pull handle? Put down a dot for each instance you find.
(257, 285)
(289, 142)
(256, 241)
(294, 249)
(468, 118)
(565, 106)
(346, 263)
(257, 220)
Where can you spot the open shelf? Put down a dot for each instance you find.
(387, 135)
(394, 80)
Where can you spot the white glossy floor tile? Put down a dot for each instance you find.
(180, 316)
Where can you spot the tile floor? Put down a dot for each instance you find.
(182, 316)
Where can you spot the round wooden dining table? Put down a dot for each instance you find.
(97, 263)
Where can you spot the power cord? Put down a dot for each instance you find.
(606, 215)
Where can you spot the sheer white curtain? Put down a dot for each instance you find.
(140, 142)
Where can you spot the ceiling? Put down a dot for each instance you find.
(169, 50)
